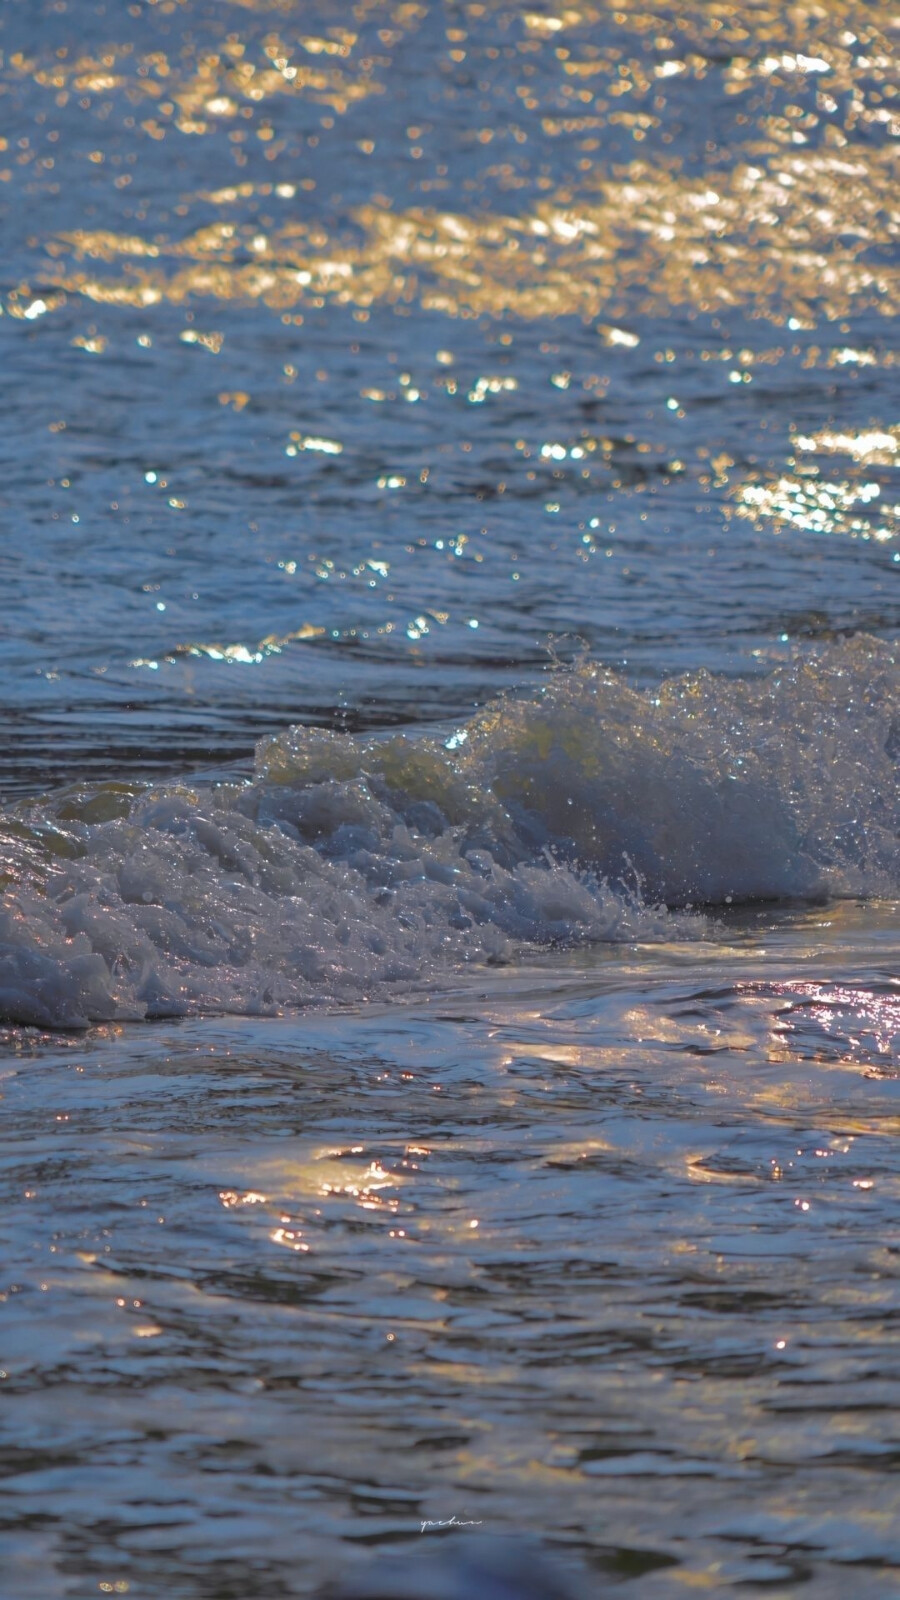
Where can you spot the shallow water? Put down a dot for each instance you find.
(474, 1108)
(605, 1252)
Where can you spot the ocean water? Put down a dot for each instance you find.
(449, 810)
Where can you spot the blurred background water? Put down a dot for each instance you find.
(361, 363)
(339, 332)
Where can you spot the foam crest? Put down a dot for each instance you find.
(354, 868)
(714, 790)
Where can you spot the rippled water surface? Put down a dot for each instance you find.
(473, 1107)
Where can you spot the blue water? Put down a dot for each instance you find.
(449, 494)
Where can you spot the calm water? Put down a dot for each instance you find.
(466, 1106)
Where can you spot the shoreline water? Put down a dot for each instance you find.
(530, 1250)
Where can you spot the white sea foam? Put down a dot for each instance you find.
(352, 867)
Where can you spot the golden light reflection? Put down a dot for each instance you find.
(295, 1197)
(817, 505)
(363, 1187)
(252, 1197)
(290, 1238)
(216, 84)
(327, 447)
(775, 235)
(763, 240)
(208, 341)
(877, 446)
(241, 654)
(863, 1018)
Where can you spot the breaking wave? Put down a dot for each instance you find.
(351, 868)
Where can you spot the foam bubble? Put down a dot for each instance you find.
(351, 868)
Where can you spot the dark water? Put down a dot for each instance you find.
(362, 364)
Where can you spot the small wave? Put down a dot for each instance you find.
(352, 868)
